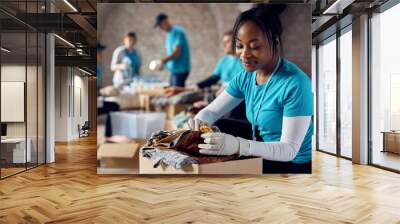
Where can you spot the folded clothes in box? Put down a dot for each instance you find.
(177, 152)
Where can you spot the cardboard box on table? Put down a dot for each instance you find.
(119, 158)
(243, 166)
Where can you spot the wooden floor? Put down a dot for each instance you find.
(387, 159)
(70, 191)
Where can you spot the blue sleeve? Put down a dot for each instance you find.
(298, 97)
(218, 68)
(236, 86)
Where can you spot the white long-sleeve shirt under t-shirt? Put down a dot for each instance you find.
(294, 129)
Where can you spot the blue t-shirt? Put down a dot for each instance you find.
(98, 75)
(135, 62)
(288, 93)
(227, 68)
(181, 64)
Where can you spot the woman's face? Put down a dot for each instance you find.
(252, 47)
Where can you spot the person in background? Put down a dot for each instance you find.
(278, 97)
(99, 55)
(126, 60)
(227, 67)
(177, 46)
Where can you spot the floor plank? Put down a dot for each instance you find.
(70, 191)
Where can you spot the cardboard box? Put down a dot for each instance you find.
(244, 166)
(118, 158)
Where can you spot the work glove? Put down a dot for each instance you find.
(221, 144)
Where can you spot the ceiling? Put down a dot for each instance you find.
(74, 21)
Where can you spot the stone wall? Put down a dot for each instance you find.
(205, 24)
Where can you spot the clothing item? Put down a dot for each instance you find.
(169, 158)
(292, 134)
(181, 64)
(208, 81)
(107, 108)
(294, 130)
(242, 129)
(178, 79)
(219, 144)
(136, 61)
(99, 77)
(186, 97)
(131, 58)
(227, 68)
(184, 142)
(286, 94)
(222, 105)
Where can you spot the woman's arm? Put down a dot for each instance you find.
(217, 108)
(294, 129)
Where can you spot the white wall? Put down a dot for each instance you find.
(71, 94)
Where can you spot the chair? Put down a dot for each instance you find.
(84, 130)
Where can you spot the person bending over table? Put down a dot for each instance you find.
(277, 94)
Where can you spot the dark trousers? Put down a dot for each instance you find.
(242, 128)
(178, 79)
(106, 109)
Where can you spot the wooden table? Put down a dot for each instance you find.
(391, 141)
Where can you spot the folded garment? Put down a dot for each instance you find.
(168, 157)
(183, 142)
(186, 97)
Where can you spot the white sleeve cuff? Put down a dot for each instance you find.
(244, 147)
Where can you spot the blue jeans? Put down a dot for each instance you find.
(178, 79)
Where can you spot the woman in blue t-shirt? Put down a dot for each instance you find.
(277, 94)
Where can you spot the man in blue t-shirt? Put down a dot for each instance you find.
(126, 60)
(227, 67)
(177, 60)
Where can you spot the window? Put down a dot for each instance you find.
(346, 93)
(385, 87)
(22, 77)
(327, 96)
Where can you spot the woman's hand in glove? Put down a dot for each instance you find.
(219, 144)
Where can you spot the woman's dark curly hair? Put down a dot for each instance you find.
(266, 16)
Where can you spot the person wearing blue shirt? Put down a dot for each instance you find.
(99, 56)
(226, 68)
(277, 94)
(126, 60)
(177, 47)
